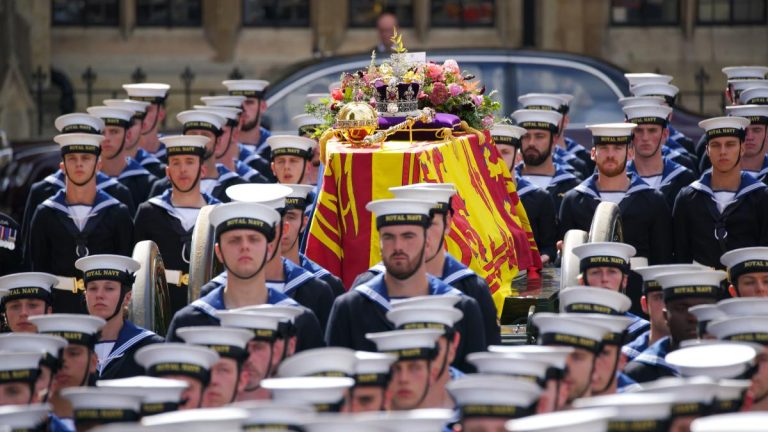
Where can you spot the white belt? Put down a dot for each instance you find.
(69, 283)
(177, 277)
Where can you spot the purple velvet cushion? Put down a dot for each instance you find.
(442, 120)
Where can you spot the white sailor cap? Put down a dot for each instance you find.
(108, 267)
(702, 283)
(223, 101)
(401, 212)
(604, 254)
(426, 192)
(587, 299)
(49, 345)
(745, 260)
(691, 396)
(407, 344)
(27, 285)
(147, 92)
(230, 114)
(247, 88)
(714, 360)
(554, 356)
(298, 198)
(270, 195)
(244, 215)
(733, 422)
(744, 306)
(224, 419)
(582, 420)
(268, 415)
(505, 134)
(264, 326)
(24, 365)
(176, 145)
(415, 420)
(612, 133)
(139, 108)
(75, 328)
(226, 341)
(541, 101)
(490, 396)
(325, 361)
(24, 417)
(747, 329)
(648, 114)
(754, 96)
(199, 119)
(326, 394)
(738, 86)
(724, 126)
(102, 405)
(175, 358)
(417, 317)
(514, 365)
(756, 114)
(632, 409)
(650, 273)
(427, 301)
(372, 368)
(667, 91)
(629, 101)
(284, 313)
(112, 116)
(316, 98)
(79, 143)
(79, 123)
(291, 145)
(306, 123)
(615, 326)
(339, 422)
(729, 395)
(705, 313)
(537, 119)
(568, 330)
(745, 72)
(157, 394)
(647, 78)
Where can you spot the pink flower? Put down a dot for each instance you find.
(434, 71)
(336, 94)
(455, 89)
(451, 66)
(439, 94)
(477, 100)
(488, 122)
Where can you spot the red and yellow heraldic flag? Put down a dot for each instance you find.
(490, 233)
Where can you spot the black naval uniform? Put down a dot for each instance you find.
(645, 217)
(298, 284)
(257, 162)
(226, 179)
(562, 182)
(324, 275)
(150, 163)
(542, 215)
(650, 364)
(202, 312)
(571, 162)
(56, 242)
(363, 310)
(674, 177)
(120, 362)
(703, 233)
(138, 180)
(157, 220)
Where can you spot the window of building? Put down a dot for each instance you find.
(645, 12)
(169, 13)
(731, 12)
(363, 13)
(462, 13)
(85, 12)
(276, 13)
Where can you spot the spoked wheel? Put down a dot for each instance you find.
(150, 304)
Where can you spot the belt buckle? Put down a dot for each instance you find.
(184, 281)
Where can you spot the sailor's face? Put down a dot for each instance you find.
(755, 140)
(288, 169)
(605, 368)
(43, 383)
(223, 385)
(435, 233)
(102, 297)
(114, 138)
(724, 152)
(80, 166)
(507, 153)
(648, 138)
(152, 119)
(536, 146)
(366, 398)
(611, 159)
(206, 133)
(77, 362)
(580, 363)
(484, 424)
(294, 221)
(605, 277)
(192, 395)
(654, 307)
(183, 170)
(410, 379)
(251, 106)
(134, 135)
(753, 284)
(683, 324)
(226, 149)
(243, 250)
(15, 393)
(263, 360)
(17, 313)
(759, 385)
(402, 249)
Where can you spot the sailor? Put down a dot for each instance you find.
(155, 94)
(325, 394)
(372, 376)
(108, 283)
(244, 240)
(644, 213)
(682, 290)
(189, 363)
(537, 147)
(77, 221)
(662, 174)
(324, 361)
(704, 314)
(402, 226)
(18, 377)
(265, 415)
(726, 208)
(228, 376)
(755, 158)
(290, 157)
(217, 178)
(747, 271)
(583, 420)
(253, 135)
(50, 346)
(647, 412)
(24, 295)
(114, 160)
(31, 418)
(539, 205)
(96, 406)
(132, 147)
(486, 404)
(307, 126)
(158, 395)
(169, 219)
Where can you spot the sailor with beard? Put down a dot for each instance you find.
(755, 158)
(155, 94)
(538, 143)
(169, 219)
(402, 227)
(253, 136)
(132, 147)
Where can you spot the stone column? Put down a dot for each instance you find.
(222, 20)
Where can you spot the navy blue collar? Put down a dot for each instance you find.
(295, 276)
(59, 179)
(589, 186)
(748, 184)
(571, 146)
(669, 171)
(130, 334)
(561, 173)
(312, 267)
(146, 158)
(376, 290)
(453, 270)
(59, 202)
(654, 355)
(133, 168)
(214, 301)
(224, 173)
(164, 200)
